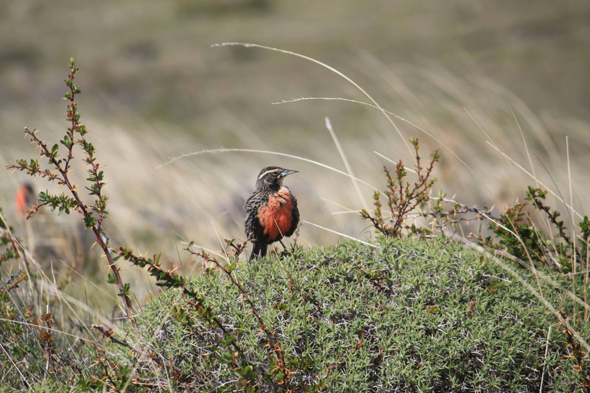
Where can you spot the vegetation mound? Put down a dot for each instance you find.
(411, 315)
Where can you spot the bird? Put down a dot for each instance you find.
(25, 198)
(272, 211)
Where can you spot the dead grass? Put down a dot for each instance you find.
(489, 141)
(472, 119)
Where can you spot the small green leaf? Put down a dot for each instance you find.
(111, 279)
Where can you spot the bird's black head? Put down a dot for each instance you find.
(272, 177)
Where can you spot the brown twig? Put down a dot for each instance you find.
(471, 308)
(276, 349)
(110, 335)
(75, 134)
(101, 239)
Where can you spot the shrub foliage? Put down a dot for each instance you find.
(409, 315)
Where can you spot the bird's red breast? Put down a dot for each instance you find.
(276, 216)
(21, 200)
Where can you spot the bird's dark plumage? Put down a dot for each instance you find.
(272, 210)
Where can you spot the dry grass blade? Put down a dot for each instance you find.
(571, 216)
(479, 126)
(539, 296)
(214, 151)
(49, 329)
(535, 179)
(526, 147)
(340, 234)
(545, 362)
(339, 205)
(385, 113)
(393, 162)
(482, 182)
(143, 356)
(346, 164)
(226, 257)
(542, 275)
(532, 264)
(46, 281)
(347, 210)
(223, 256)
(15, 366)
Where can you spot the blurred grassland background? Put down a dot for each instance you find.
(468, 72)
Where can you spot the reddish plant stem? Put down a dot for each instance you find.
(101, 240)
(276, 348)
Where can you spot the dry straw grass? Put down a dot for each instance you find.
(492, 146)
(482, 129)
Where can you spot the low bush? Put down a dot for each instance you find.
(410, 315)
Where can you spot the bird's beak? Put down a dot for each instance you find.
(287, 172)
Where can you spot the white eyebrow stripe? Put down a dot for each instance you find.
(267, 172)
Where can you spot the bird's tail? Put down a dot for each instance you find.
(259, 250)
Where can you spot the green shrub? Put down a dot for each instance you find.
(411, 315)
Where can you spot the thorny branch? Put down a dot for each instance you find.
(270, 334)
(60, 175)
